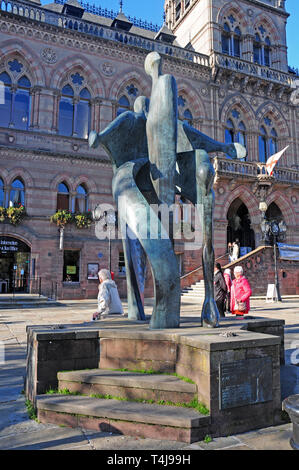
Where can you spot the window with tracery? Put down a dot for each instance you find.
(262, 48)
(15, 108)
(184, 110)
(127, 98)
(231, 38)
(75, 108)
(235, 129)
(268, 140)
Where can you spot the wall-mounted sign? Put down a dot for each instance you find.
(92, 271)
(9, 245)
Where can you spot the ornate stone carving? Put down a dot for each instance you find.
(108, 69)
(48, 55)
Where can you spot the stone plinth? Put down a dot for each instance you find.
(237, 372)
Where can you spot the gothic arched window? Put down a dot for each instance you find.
(63, 197)
(123, 105)
(81, 199)
(262, 48)
(268, 141)
(235, 129)
(15, 107)
(184, 111)
(66, 111)
(82, 118)
(17, 193)
(75, 109)
(231, 40)
(21, 105)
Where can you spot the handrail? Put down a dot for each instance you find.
(248, 255)
(200, 267)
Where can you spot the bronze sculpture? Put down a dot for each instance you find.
(155, 156)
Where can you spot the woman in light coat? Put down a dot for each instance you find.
(108, 298)
(240, 292)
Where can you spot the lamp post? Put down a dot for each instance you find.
(277, 231)
(110, 219)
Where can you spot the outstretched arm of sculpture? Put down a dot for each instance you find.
(190, 138)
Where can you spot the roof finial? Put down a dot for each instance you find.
(121, 6)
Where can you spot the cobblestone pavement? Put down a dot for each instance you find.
(17, 431)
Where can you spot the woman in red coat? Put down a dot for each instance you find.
(240, 292)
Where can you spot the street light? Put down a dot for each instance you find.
(110, 220)
(277, 231)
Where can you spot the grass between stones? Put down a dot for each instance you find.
(31, 410)
(194, 404)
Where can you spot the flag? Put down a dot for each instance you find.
(272, 161)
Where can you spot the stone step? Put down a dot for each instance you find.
(129, 385)
(123, 417)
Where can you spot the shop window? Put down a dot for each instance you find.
(17, 194)
(63, 197)
(71, 266)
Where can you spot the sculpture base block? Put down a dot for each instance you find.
(236, 371)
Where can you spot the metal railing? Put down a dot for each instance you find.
(33, 285)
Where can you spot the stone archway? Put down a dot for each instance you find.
(239, 226)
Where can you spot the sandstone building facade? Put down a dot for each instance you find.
(67, 69)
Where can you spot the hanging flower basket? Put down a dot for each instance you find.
(15, 214)
(62, 218)
(83, 220)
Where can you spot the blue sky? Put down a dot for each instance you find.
(152, 11)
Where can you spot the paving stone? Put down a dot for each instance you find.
(218, 443)
(103, 441)
(46, 439)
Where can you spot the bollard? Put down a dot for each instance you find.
(291, 406)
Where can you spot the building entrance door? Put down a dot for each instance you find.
(14, 265)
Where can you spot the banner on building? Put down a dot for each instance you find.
(272, 161)
(288, 252)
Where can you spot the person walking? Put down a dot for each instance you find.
(108, 298)
(240, 293)
(228, 282)
(220, 290)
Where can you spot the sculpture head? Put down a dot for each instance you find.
(152, 64)
(141, 105)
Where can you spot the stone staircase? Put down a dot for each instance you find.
(123, 402)
(195, 293)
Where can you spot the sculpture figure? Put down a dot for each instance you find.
(155, 156)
